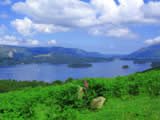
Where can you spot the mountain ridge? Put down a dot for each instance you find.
(54, 55)
(151, 52)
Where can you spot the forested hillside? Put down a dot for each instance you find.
(11, 55)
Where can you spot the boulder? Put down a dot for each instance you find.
(97, 103)
(80, 92)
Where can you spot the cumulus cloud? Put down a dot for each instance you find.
(121, 32)
(151, 10)
(18, 41)
(153, 41)
(60, 12)
(127, 12)
(23, 26)
(9, 40)
(52, 42)
(62, 15)
(13, 40)
(33, 42)
(112, 31)
(26, 27)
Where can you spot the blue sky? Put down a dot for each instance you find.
(106, 26)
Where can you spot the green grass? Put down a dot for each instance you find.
(135, 108)
(133, 97)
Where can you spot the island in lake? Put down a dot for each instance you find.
(80, 65)
(125, 66)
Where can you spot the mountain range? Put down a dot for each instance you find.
(10, 55)
(148, 53)
(54, 55)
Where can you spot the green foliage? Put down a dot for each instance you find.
(69, 80)
(13, 85)
(59, 101)
(134, 108)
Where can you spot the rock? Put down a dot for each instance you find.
(97, 103)
(80, 92)
(10, 54)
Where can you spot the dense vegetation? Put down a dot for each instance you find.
(13, 85)
(136, 96)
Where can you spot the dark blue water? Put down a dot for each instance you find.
(49, 73)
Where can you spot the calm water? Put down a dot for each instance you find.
(49, 73)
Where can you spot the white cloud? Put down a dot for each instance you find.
(7, 37)
(81, 14)
(153, 41)
(23, 26)
(152, 9)
(62, 15)
(60, 12)
(13, 40)
(5, 2)
(9, 40)
(121, 32)
(33, 42)
(52, 42)
(17, 41)
(26, 27)
(112, 31)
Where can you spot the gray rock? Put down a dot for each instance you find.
(80, 92)
(97, 103)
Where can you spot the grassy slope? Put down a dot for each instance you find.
(134, 97)
(134, 108)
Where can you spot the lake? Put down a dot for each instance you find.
(49, 72)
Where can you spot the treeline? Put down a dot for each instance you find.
(56, 59)
(13, 85)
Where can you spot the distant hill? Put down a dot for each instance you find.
(149, 53)
(54, 55)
